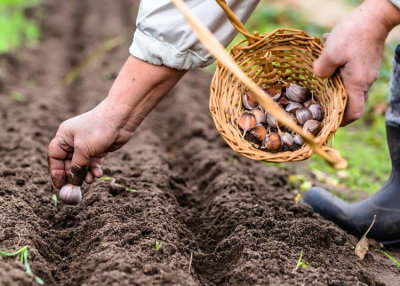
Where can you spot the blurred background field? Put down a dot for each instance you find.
(363, 143)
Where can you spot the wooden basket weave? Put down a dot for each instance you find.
(283, 55)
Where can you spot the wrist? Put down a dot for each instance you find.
(384, 12)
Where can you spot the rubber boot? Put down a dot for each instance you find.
(385, 204)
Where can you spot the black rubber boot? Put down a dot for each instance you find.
(356, 218)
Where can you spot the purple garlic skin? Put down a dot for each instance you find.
(71, 194)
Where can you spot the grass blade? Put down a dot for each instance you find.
(391, 258)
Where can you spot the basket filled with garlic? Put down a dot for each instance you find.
(265, 100)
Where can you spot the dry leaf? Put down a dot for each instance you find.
(362, 246)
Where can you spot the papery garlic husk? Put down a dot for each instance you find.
(247, 121)
(259, 133)
(249, 100)
(298, 140)
(71, 194)
(260, 116)
(292, 107)
(286, 139)
(312, 126)
(274, 91)
(303, 115)
(272, 121)
(297, 93)
(272, 142)
(317, 111)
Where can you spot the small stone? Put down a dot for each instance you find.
(20, 182)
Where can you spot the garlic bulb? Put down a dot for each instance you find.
(298, 140)
(303, 115)
(272, 121)
(260, 116)
(297, 93)
(292, 107)
(71, 194)
(247, 121)
(317, 111)
(272, 142)
(274, 91)
(312, 126)
(249, 101)
(287, 139)
(259, 132)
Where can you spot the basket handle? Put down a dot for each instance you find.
(218, 51)
(235, 21)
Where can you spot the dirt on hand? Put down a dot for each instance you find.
(234, 217)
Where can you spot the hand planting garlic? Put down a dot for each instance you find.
(301, 107)
(71, 193)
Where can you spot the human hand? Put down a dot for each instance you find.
(355, 46)
(83, 141)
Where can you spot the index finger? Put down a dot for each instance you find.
(55, 157)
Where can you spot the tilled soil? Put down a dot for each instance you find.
(222, 219)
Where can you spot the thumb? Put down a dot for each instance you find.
(79, 163)
(326, 65)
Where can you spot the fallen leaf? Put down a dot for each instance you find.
(362, 246)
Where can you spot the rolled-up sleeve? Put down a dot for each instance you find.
(396, 3)
(163, 37)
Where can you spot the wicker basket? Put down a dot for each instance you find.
(283, 55)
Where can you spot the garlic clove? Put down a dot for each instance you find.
(283, 101)
(312, 126)
(260, 116)
(272, 121)
(303, 115)
(292, 107)
(287, 139)
(249, 100)
(259, 132)
(297, 93)
(298, 140)
(247, 121)
(71, 194)
(316, 111)
(272, 142)
(274, 91)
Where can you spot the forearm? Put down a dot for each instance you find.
(139, 87)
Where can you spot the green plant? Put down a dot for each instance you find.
(24, 260)
(55, 199)
(158, 245)
(15, 28)
(300, 263)
(391, 258)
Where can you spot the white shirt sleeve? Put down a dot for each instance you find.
(163, 37)
(396, 3)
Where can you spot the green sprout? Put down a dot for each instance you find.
(300, 263)
(24, 260)
(55, 199)
(106, 178)
(391, 258)
(158, 245)
(18, 97)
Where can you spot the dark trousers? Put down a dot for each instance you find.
(393, 115)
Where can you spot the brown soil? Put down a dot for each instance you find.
(236, 217)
